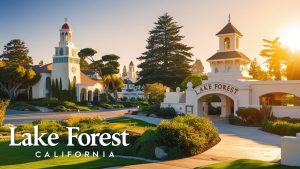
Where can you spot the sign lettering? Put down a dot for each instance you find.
(216, 86)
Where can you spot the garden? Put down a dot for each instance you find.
(264, 119)
(181, 137)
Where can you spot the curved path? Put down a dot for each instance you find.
(237, 142)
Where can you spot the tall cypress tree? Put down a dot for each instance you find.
(52, 88)
(56, 89)
(167, 58)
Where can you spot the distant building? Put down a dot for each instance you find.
(197, 68)
(130, 89)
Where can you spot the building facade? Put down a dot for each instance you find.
(230, 81)
(130, 89)
(66, 69)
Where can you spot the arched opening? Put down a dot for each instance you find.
(226, 43)
(96, 95)
(237, 45)
(83, 95)
(216, 104)
(89, 96)
(279, 99)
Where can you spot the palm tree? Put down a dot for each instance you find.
(276, 56)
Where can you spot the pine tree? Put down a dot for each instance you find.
(16, 52)
(256, 72)
(167, 58)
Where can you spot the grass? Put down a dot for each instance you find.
(246, 164)
(24, 157)
(131, 122)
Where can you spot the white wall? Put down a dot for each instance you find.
(286, 111)
(290, 150)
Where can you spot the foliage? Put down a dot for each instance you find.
(281, 127)
(256, 71)
(276, 55)
(191, 133)
(145, 145)
(3, 106)
(250, 115)
(167, 59)
(22, 106)
(110, 68)
(13, 78)
(195, 79)
(246, 164)
(155, 91)
(16, 52)
(107, 68)
(168, 112)
(266, 111)
(292, 70)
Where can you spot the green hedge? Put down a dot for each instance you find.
(281, 127)
(250, 115)
(22, 106)
(180, 137)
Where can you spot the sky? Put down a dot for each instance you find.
(121, 26)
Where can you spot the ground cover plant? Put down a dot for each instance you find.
(246, 164)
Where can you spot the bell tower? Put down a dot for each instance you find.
(229, 62)
(66, 63)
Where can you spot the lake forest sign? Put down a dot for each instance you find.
(216, 86)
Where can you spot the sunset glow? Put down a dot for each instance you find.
(290, 37)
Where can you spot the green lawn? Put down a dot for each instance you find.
(131, 122)
(246, 164)
(24, 157)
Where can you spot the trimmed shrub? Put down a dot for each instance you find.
(3, 106)
(168, 112)
(250, 115)
(281, 127)
(21, 106)
(191, 133)
(145, 145)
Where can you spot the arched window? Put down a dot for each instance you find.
(226, 43)
(216, 70)
(48, 83)
(237, 42)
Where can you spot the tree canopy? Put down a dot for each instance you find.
(256, 71)
(16, 52)
(166, 59)
(276, 56)
(155, 92)
(14, 77)
(194, 79)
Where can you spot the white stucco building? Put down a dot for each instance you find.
(66, 68)
(230, 81)
(130, 89)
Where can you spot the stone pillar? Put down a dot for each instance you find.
(205, 106)
(290, 150)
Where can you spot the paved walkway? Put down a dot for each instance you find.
(18, 117)
(237, 142)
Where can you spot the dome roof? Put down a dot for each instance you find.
(65, 26)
